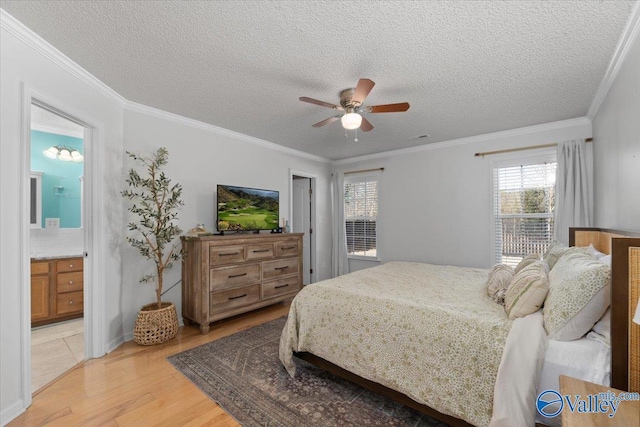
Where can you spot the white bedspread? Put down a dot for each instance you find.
(430, 332)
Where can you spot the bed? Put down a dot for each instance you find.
(402, 334)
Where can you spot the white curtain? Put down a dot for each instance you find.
(573, 193)
(339, 259)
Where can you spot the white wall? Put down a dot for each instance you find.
(616, 131)
(21, 63)
(200, 158)
(435, 203)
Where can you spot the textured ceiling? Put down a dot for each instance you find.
(466, 68)
(46, 121)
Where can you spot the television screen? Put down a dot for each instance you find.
(242, 209)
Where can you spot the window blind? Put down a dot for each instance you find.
(361, 216)
(524, 199)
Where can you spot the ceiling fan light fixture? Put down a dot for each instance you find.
(351, 121)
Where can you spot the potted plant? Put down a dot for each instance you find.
(155, 204)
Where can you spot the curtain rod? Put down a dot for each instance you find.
(364, 170)
(531, 147)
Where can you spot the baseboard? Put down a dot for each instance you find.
(12, 412)
(113, 344)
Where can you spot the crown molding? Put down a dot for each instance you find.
(469, 140)
(175, 118)
(26, 35)
(629, 36)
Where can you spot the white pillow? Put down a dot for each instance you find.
(527, 290)
(606, 260)
(594, 252)
(602, 328)
(579, 294)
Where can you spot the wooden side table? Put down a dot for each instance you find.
(628, 413)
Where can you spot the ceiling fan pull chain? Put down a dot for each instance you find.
(356, 138)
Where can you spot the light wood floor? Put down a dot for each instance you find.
(137, 386)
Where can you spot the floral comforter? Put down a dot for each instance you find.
(428, 331)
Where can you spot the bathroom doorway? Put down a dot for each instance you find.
(57, 151)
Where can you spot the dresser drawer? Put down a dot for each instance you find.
(226, 254)
(277, 287)
(233, 276)
(281, 267)
(74, 264)
(69, 282)
(232, 298)
(260, 251)
(70, 302)
(39, 268)
(286, 248)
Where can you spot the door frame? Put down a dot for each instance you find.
(93, 223)
(312, 240)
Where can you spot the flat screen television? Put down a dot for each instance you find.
(247, 209)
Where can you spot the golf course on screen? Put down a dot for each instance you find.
(241, 208)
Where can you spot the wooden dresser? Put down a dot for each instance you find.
(56, 290)
(223, 276)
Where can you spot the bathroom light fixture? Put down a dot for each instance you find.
(63, 153)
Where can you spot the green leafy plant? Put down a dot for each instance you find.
(155, 203)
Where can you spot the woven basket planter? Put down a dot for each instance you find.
(155, 326)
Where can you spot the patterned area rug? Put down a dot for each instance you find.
(243, 374)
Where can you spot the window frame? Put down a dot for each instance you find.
(510, 160)
(362, 177)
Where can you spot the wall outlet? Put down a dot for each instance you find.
(52, 223)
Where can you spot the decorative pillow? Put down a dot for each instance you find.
(499, 278)
(594, 252)
(527, 291)
(553, 254)
(529, 259)
(579, 294)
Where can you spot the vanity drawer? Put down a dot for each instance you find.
(281, 267)
(69, 282)
(233, 276)
(286, 248)
(232, 298)
(225, 255)
(68, 303)
(74, 264)
(260, 251)
(274, 288)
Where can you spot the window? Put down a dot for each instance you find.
(361, 215)
(524, 198)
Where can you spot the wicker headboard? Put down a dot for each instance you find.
(624, 248)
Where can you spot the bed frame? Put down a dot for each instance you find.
(625, 335)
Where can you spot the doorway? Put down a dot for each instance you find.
(57, 234)
(303, 219)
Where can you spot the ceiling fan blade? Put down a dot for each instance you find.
(389, 108)
(366, 125)
(362, 90)
(321, 103)
(327, 121)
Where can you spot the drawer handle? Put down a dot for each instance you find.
(239, 296)
(70, 302)
(288, 247)
(282, 286)
(71, 282)
(70, 265)
(237, 275)
(229, 254)
(281, 268)
(255, 251)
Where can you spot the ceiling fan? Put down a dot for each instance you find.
(351, 103)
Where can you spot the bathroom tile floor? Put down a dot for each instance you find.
(55, 349)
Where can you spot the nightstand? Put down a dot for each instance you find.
(628, 413)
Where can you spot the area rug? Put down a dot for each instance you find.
(243, 374)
